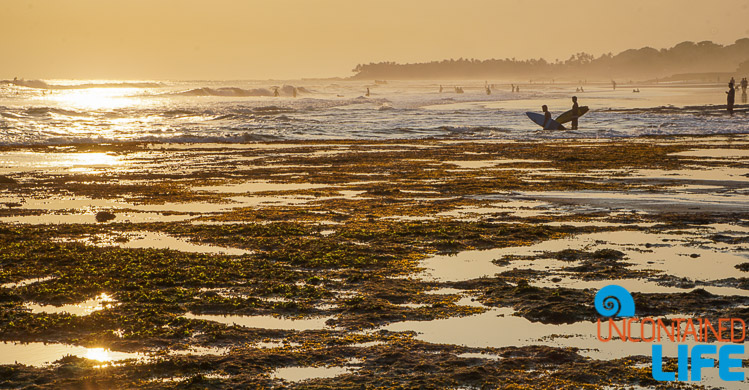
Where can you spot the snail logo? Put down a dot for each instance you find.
(614, 301)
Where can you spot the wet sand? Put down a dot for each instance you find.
(349, 264)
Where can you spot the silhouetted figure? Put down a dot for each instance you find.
(547, 115)
(293, 92)
(732, 81)
(613, 84)
(275, 93)
(581, 89)
(744, 84)
(743, 97)
(517, 88)
(367, 92)
(730, 99)
(577, 89)
(513, 87)
(440, 88)
(488, 91)
(575, 113)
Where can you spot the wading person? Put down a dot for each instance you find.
(547, 116)
(575, 113)
(730, 98)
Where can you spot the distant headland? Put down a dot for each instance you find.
(701, 61)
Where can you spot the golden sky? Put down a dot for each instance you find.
(253, 39)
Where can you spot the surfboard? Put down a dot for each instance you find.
(567, 116)
(539, 120)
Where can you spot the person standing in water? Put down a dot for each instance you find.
(547, 115)
(744, 84)
(367, 92)
(730, 98)
(575, 113)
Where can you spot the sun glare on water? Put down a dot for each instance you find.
(97, 98)
(99, 354)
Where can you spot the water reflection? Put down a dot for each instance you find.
(37, 354)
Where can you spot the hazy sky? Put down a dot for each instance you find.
(242, 39)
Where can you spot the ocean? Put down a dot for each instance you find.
(106, 111)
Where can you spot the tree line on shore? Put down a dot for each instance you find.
(645, 63)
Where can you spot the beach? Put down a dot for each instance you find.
(355, 195)
(418, 262)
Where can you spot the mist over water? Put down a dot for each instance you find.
(96, 111)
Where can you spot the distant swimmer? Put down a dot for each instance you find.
(730, 98)
(367, 92)
(575, 113)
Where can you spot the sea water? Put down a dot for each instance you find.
(95, 111)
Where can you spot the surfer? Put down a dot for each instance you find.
(730, 98)
(575, 113)
(547, 115)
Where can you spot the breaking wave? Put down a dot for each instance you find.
(39, 84)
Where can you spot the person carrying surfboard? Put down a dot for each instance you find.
(575, 113)
(547, 115)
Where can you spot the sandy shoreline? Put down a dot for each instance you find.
(364, 263)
